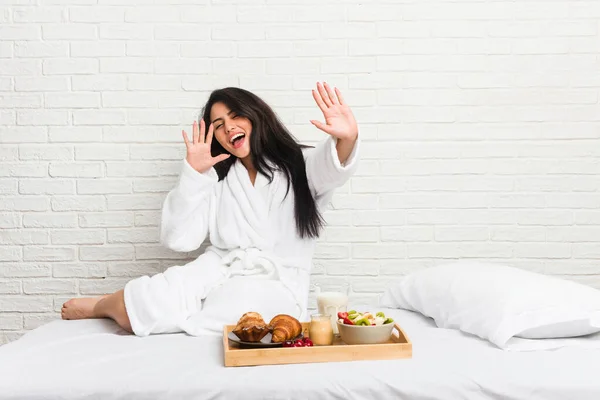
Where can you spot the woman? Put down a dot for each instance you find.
(259, 196)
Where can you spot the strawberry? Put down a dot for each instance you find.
(342, 315)
(347, 321)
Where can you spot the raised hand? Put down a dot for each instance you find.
(198, 151)
(339, 120)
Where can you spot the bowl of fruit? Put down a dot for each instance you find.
(364, 328)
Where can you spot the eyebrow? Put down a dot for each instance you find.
(221, 118)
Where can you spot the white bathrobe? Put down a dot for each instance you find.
(255, 262)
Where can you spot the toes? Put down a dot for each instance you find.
(63, 312)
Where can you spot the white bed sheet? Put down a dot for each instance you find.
(93, 359)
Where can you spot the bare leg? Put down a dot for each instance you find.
(108, 306)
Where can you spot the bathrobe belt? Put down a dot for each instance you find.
(262, 264)
(252, 261)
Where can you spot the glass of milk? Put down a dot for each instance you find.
(331, 299)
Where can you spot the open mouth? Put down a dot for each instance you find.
(237, 140)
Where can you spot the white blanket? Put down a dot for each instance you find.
(253, 237)
(94, 359)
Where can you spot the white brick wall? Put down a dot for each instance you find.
(481, 124)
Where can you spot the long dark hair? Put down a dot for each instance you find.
(269, 140)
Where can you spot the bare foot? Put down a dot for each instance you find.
(80, 308)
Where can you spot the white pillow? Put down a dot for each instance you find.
(499, 303)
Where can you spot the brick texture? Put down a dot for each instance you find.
(480, 121)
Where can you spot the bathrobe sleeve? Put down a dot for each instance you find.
(324, 171)
(185, 212)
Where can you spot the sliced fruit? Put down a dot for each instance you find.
(342, 315)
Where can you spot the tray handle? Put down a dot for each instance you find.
(396, 332)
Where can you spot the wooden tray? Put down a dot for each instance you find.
(399, 346)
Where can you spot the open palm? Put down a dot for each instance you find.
(198, 150)
(339, 119)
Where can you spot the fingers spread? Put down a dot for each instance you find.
(324, 95)
(321, 126)
(185, 139)
(339, 95)
(195, 132)
(220, 157)
(331, 94)
(319, 101)
(202, 138)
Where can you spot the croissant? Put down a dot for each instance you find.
(251, 327)
(284, 327)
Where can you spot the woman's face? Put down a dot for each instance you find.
(232, 131)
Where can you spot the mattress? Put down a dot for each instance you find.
(94, 359)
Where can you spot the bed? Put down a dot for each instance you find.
(94, 359)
